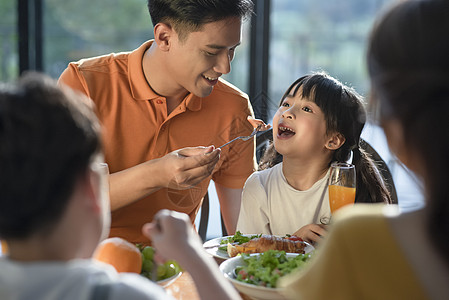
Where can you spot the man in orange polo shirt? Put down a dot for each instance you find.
(168, 95)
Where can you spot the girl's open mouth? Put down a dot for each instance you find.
(285, 131)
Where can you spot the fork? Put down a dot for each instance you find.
(243, 138)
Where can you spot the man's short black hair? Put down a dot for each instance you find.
(187, 16)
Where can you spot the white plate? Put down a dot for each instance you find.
(253, 291)
(215, 252)
(212, 246)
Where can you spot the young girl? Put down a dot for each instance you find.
(319, 121)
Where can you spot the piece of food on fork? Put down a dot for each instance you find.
(257, 122)
(268, 242)
(258, 125)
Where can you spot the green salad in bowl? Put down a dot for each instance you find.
(265, 269)
(257, 275)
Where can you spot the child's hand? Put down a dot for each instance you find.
(172, 235)
(257, 122)
(312, 233)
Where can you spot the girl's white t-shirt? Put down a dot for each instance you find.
(271, 206)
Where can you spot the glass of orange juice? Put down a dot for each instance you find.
(342, 183)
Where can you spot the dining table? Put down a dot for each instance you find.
(184, 288)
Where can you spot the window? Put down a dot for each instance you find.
(9, 58)
(240, 65)
(75, 30)
(308, 35)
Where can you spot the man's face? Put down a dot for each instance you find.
(196, 63)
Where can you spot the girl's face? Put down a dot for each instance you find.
(299, 128)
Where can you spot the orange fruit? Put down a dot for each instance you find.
(121, 254)
(4, 247)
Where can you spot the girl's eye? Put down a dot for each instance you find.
(306, 109)
(285, 104)
(210, 53)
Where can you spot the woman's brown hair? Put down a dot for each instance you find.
(408, 63)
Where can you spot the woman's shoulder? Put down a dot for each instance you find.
(361, 211)
(362, 218)
(364, 229)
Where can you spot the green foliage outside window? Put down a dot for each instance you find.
(9, 60)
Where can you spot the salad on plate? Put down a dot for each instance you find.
(266, 268)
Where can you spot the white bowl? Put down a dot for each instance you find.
(253, 291)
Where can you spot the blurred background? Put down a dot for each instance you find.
(284, 40)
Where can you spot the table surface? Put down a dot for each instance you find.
(184, 288)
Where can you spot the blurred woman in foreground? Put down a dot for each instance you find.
(388, 255)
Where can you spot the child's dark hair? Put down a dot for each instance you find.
(189, 15)
(48, 137)
(344, 113)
